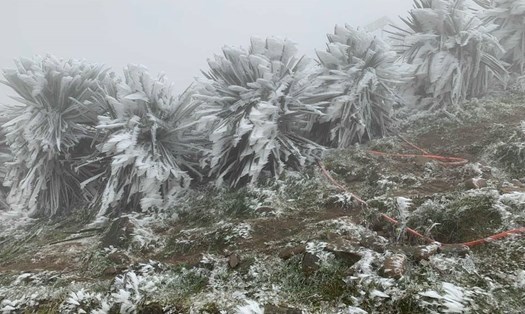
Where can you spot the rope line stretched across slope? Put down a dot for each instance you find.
(443, 160)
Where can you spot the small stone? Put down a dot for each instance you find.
(332, 236)
(273, 309)
(372, 242)
(482, 183)
(27, 277)
(310, 263)
(234, 260)
(349, 258)
(289, 252)
(517, 183)
(395, 266)
(423, 252)
(475, 183)
(341, 244)
(110, 271)
(344, 250)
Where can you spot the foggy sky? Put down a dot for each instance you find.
(171, 36)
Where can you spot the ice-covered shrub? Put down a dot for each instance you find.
(451, 299)
(356, 78)
(509, 15)
(81, 301)
(50, 131)
(147, 141)
(452, 51)
(252, 103)
(511, 156)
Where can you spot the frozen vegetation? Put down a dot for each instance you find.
(276, 184)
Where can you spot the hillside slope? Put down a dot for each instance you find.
(301, 245)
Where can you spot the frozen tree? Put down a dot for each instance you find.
(355, 79)
(453, 52)
(147, 141)
(509, 15)
(252, 103)
(5, 158)
(49, 131)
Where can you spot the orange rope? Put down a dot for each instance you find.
(449, 161)
(409, 230)
(495, 237)
(477, 242)
(339, 186)
(443, 160)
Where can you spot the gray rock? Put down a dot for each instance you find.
(344, 250)
(234, 260)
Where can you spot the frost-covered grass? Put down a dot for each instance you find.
(180, 259)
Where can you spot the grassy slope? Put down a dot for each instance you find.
(219, 249)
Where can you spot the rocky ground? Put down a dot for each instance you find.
(300, 244)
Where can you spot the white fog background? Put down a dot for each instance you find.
(171, 36)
